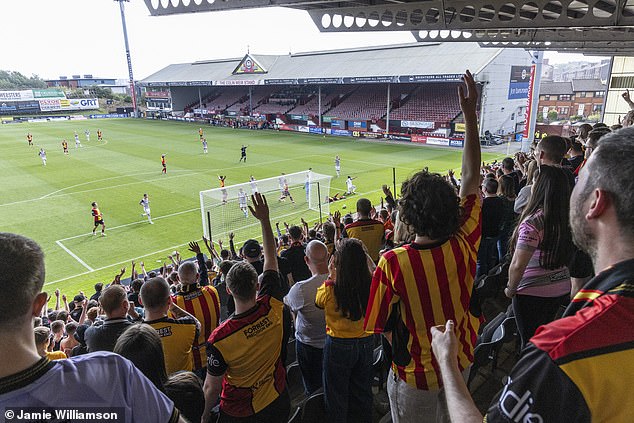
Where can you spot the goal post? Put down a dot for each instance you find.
(225, 210)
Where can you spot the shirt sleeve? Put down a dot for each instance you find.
(294, 299)
(537, 390)
(271, 285)
(147, 403)
(382, 298)
(527, 237)
(216, 365)
(471, 222)
(203, 279)
(322, 296)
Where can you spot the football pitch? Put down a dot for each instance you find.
(52, 204)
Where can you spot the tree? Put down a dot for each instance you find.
(16, 81)
(552, 115)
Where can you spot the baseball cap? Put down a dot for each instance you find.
(251, 248)
(79, 298)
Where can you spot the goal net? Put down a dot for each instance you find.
(225, 210)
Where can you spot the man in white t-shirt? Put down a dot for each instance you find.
(84, 383)
(254, 185)
(350, 186)
(310, 324)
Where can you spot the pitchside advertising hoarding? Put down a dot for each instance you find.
(529, 103)
(50, 105)
(27, 95)
(417, 124)
(519, 82)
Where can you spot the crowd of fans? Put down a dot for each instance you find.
(207, 339)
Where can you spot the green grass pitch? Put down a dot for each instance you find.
(52, 204)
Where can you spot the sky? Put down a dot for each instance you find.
(70, 37)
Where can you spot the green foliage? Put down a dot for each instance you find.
(52, 203)
(552, 115)
(576, 118)
(16, 81)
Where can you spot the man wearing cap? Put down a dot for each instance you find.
(252, 253)
(76, 313)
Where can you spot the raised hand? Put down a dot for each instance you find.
(468, 94)
(57, 292)
(260, 208)
(386, 191)
(336, 219)
(626, 95)
(194, 248)
(231, 234)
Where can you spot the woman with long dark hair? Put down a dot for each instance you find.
(348, 348)
(539, 279)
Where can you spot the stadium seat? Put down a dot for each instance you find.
(314, 409)
(497, 332)
(296, 416)
(378, 367)
(295, 384)
(291, 353)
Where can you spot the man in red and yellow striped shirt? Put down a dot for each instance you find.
(201, 301)
(424, 284)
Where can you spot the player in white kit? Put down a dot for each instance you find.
(351, 187)
(145, 203)
(42, 155)
(242, 202)
(77, 142)
(205, 145)
(87, 132)
(338, 165)
(254, 185)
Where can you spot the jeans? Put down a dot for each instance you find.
(487, 255)
(532, 312)
(310, 360)
(348, 379)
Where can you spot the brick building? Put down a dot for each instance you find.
(579, 97)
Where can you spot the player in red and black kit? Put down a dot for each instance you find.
(164, 164)
(98, 217)
(29, 138)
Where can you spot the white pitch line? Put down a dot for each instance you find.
(148, 254)
(133, 223)
(55, 194)
(73, 255)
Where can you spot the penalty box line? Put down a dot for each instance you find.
(83, 263)
(90, 270)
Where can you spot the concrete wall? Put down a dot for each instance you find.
(499, 115)
(183, 96)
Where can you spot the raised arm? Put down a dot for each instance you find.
(471, 156)
(260, 210)
(628, 100)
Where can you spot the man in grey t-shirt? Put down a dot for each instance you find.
(310, 324)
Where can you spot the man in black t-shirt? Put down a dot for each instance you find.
(103, 337)
(508, 167)
(492, 215)
(295, 255)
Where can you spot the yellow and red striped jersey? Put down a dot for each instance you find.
(425, 286)
(204, 304)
